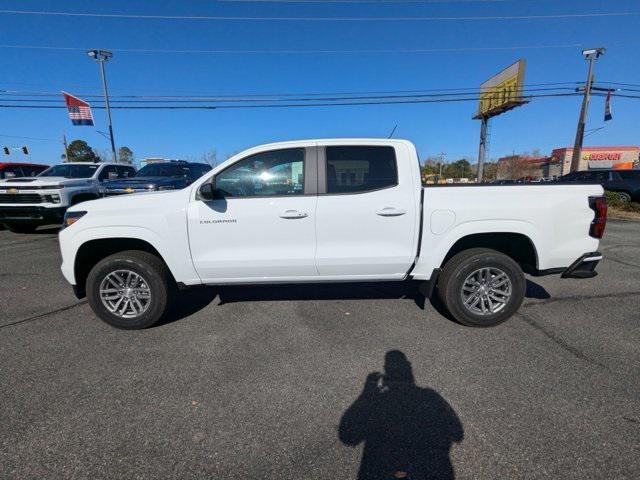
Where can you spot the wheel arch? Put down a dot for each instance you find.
(92, 251)
(517, 246)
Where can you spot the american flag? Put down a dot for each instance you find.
(79, 110)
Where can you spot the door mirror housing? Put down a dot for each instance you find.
(208, 191)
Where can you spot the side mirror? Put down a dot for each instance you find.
(208, 191)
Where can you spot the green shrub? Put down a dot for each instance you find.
(614, 201)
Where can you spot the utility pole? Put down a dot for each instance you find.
(591, 55)
(484, 125)
(442, 155)
(66, 148)
(101, 56)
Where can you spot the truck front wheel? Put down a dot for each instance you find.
(130, 289)
(21, 227)
(481, 287)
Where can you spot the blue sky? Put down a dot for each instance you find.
(543, 124)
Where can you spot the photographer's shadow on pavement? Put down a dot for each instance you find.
(407, 431)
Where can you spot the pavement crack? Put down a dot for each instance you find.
(43, 315)
(581, 297)
(615, 260)
(560, 342)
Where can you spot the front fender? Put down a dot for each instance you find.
(175, 255)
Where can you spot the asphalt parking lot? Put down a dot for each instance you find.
(266, 382)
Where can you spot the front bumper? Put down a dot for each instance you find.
(583, 267)
(32, 214)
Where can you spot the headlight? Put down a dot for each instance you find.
(72, 217)
(167, 187)
(152, 187)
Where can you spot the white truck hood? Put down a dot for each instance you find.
(40, 182)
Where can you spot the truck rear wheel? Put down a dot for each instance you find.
(130, 289)
(481, 287)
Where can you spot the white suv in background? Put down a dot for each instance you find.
(26, 203)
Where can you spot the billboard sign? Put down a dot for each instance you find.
(502, 92)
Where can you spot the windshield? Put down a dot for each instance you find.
(163, 170)
(70, 171)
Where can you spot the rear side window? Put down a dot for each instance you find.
(360, 169)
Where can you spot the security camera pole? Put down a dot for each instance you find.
(102, 56)
(591, 55)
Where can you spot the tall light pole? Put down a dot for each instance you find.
(591, 55)
(102, 56)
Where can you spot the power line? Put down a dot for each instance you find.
(469, 90)
(319, 19)
(300, 52)
(287, 105)
(275, 98)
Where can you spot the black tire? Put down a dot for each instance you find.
(624, 197)
(158, 280)
(21, 227)
(464, 264)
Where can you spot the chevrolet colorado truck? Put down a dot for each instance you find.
(339, 210)
(26, 203)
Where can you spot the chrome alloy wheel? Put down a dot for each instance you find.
(486, 291)
(125, 293)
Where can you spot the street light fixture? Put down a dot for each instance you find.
(591, 55)
(101, 56)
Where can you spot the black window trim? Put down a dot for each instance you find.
(322, 170)
(309, 165)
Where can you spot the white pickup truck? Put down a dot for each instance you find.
(338, 210)
(26, 203)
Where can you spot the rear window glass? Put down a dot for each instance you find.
(360, 169)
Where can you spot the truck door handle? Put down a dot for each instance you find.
(292, 214)
(390, 212)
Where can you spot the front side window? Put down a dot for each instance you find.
(196, 170)
(71, 171)
(125, 172)
(108, 173)
(630, 174)
(274, 173)
(360, 169)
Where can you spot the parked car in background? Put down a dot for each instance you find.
(626, 183)
(337, 210)
(171, 175)
(15, 169)
(28, 202)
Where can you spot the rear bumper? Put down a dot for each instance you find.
(583, 267)
(32, 214)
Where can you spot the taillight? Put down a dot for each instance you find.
(598, 205)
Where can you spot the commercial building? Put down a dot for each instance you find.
(559, 163)
(596, 158)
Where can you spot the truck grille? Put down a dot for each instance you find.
(20, 198)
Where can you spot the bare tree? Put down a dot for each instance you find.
(210, 157)
(514, 167)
